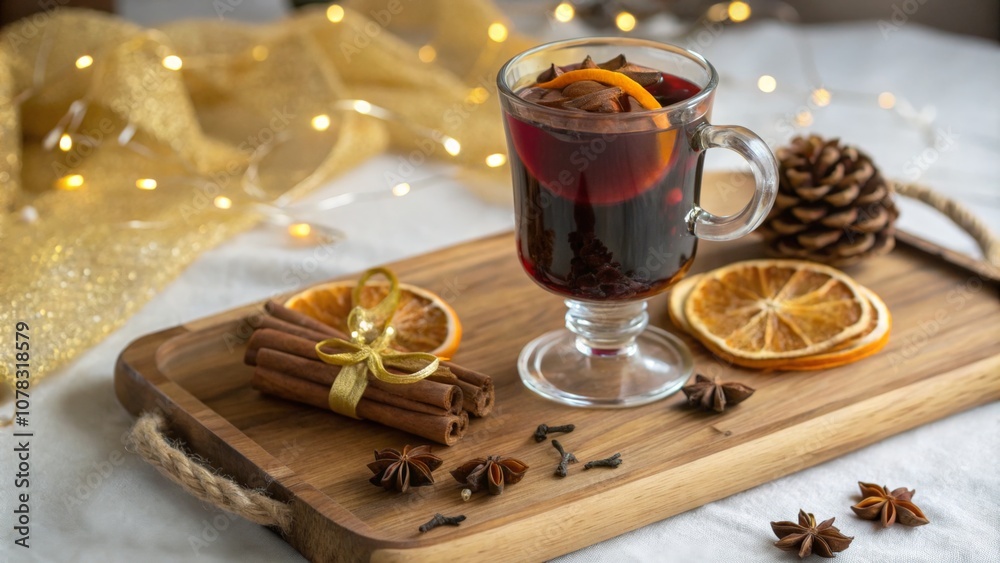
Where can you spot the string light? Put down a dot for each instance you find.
(145, 184)
(300, 230)
(427, 54)
(70, 183)
(717, 12)
(335, 13)
(625, 21)
(767, 83)
(173, 62)
(497, 32)
(821, 97)
(148, 184)
(478, 95)
(362, 107)
(29, 214)
(564, 12)
(738, 11)
(452, 146)
(322, 122)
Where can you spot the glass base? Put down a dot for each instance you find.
(559, 367)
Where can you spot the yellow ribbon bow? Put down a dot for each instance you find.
(369, 349)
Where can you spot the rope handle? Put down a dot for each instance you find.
(960, 215)
(147, 439)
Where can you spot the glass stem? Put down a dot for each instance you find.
(606, 329)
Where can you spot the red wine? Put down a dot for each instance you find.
(603, 216)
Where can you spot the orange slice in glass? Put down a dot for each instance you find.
(609, 77)
(424, 322)
(776, 309)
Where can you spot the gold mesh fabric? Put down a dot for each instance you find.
(84, 248)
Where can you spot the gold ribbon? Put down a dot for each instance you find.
(369, 349)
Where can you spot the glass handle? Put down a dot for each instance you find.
(708, 226)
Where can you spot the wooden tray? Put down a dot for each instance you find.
(944, 357)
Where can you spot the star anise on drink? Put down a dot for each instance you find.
(714, 394)
(889, 507)
(490, 473)
(398, 471)
(807, 537)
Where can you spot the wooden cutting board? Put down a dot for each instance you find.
(944, 357)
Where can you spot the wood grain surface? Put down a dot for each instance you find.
(944, 357)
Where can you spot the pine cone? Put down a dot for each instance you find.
(833, 205)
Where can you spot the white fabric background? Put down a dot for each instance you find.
(92, 501)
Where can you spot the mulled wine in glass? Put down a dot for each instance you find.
(606, 192)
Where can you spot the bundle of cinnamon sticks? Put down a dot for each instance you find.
(282, 350)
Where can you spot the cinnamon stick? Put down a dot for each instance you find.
(443, 394)
(446, 429)
(422, 396)
(279, 311)
(477, 388)
(278, 340)
(274, 323)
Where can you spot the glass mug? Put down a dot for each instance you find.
(607, 215)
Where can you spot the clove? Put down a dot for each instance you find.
(544, 430)
(613, 461)
(441, 520)
(567, 458)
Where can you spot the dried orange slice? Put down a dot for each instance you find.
(678, 296)
(776, 309)
(873, 339)
(609, 77)
(862, 346)
(424, 322)
(868, 343)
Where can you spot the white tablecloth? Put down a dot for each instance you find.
(92, 501)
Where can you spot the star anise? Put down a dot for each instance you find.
(713, 394)
(878, 504)
(807, 538)
(491, 473)
(398, 471)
